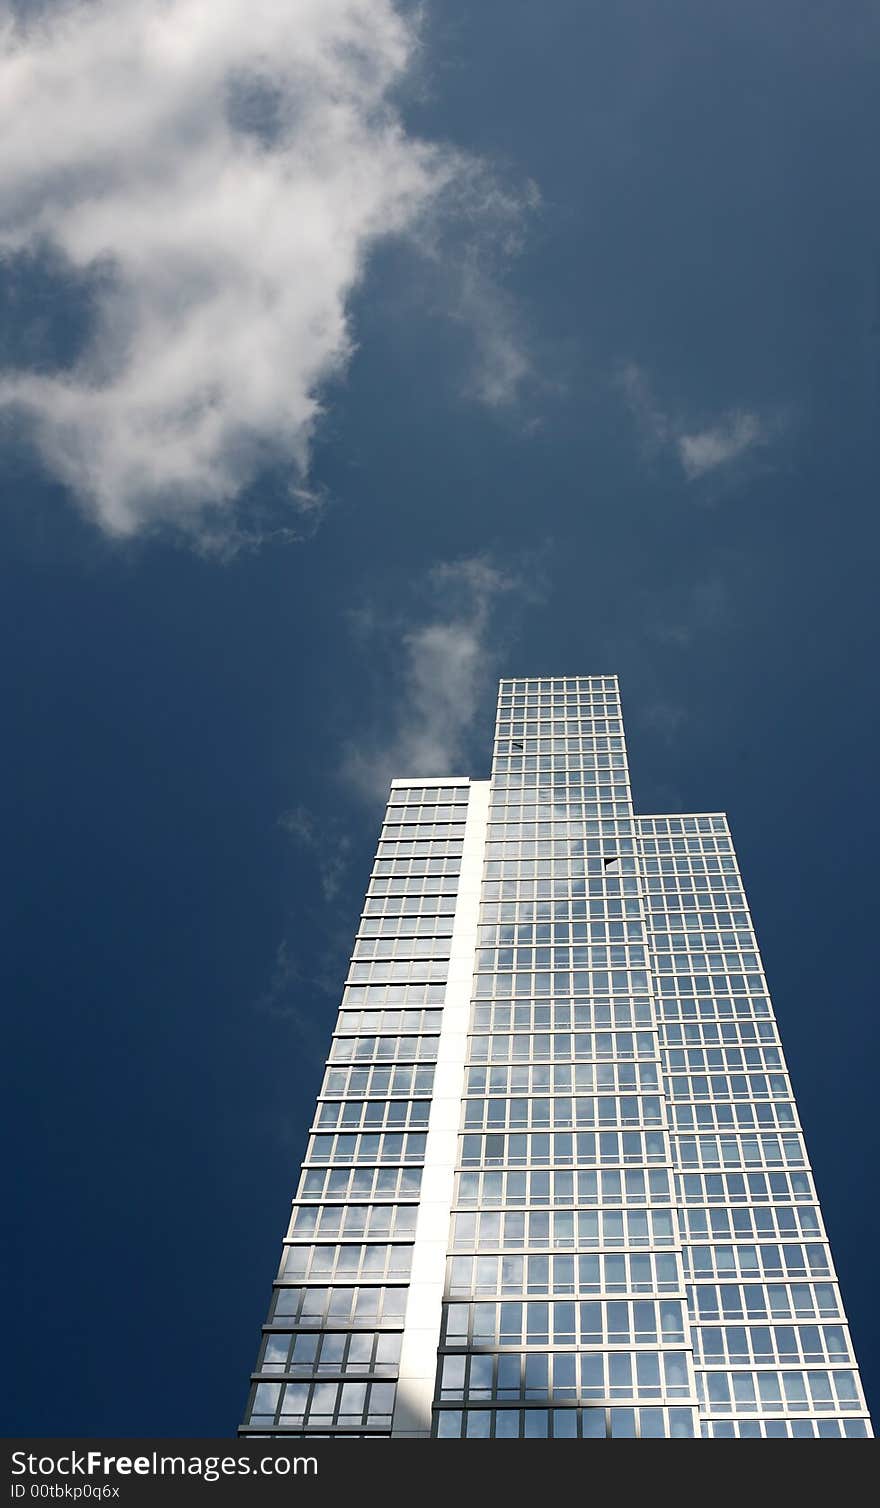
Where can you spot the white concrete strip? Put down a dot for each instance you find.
(421, 1335)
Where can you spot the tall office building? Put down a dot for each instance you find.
(556, 1183)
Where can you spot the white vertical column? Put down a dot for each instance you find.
(421, 1335)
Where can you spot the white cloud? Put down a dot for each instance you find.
(447, 666)
(699, 450)
(218, 170)
(725, 441)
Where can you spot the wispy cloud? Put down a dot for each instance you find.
(446, 666)
(685, 617)
(664, 717)
(503, 362)
(310, 961)
(503, 367)
(654, 425)
(214, 175)
(327, 841)
(699, 448)
(661, 644)
(297, 999)
(725, 441)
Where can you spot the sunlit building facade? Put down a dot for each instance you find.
(556, 1184)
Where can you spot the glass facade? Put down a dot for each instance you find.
(771, 1346)
(329, 1357)
(556, 1184)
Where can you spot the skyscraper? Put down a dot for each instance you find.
(556, 1183)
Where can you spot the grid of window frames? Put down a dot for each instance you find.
(328, 1361)
(771, 1345)
(565, 1303)
(636, 1248)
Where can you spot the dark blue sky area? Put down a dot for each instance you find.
(705, 253)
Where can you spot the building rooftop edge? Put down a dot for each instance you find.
(650, 816)
(434, 780)
(596, 675)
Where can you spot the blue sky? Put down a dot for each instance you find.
(344, 369)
